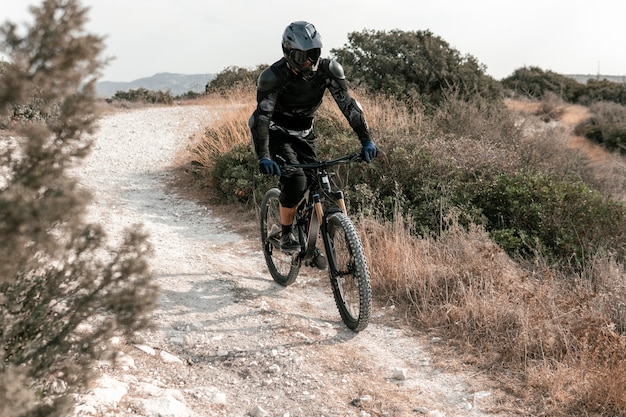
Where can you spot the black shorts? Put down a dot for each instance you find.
(287, 149)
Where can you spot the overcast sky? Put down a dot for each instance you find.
(205, 36)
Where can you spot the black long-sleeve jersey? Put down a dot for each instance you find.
(290, 101)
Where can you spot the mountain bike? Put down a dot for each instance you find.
(321, 212)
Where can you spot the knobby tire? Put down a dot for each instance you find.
(351, 283)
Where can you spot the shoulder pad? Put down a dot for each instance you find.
(268, 80)
(336, 70)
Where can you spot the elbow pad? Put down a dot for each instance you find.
(260, 135)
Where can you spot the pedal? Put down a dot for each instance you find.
(318, 261)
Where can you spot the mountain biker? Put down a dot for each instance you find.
(289, 92)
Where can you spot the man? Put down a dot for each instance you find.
(289, 93)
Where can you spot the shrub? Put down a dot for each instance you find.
(189, 95)
(470, 157)
(35, 110)
(551, 107)
(566, 220)
(475, 118)
(535, 83)
(63, 291)
(237, 177)
(413, 66)
(604, 90)
(142, 95)
(233, 78)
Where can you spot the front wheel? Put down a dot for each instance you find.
(348, 270)
(283, 268)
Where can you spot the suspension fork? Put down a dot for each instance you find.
(338, 196)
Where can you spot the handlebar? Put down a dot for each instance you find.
(355, 157)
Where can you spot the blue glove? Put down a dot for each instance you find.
(268, 167)
(369, 151)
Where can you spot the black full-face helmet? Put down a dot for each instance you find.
(302, 46)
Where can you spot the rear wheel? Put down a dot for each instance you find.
(283, 268)
(348, 270)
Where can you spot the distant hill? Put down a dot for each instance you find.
(176, 84)
(179, 84)
(583, 78)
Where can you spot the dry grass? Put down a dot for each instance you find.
(558, 335)
(385, 117)
(452, 283)
(228, 129)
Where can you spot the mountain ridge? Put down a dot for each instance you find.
(175, 83)
(178, 84)
(583, 78)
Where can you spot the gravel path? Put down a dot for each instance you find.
(228, 341)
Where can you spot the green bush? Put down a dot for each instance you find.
(469, 157)
(189, 95)
(536, 83)
(237, 178)
(233, 78)
(413, 67)
(606, 126)
(142, 95)
(604, 90)
(472, 166)
(565, 220)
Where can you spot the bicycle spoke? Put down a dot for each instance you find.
(283, 268)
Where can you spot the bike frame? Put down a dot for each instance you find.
(311, 212)
(322, 210)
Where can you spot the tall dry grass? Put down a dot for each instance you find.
(385, 117)
(228, 129)
(555, 332)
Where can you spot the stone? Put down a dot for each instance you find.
(170, 404)
(169, 358)
(109, 391)
(316, 330)
(274, 369)
(219, 398)
(124, 361)
(400, 374)
(57, 386)
(258, 411)
(481, 394)
(146, 349)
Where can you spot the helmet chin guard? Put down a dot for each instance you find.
(302, 47)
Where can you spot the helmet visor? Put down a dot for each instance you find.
(306, 59)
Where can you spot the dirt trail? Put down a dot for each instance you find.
(229, 341)
(573, 114)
